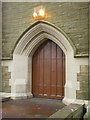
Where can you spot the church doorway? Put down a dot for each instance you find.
(48, 71)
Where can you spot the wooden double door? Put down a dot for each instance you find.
(48, 71)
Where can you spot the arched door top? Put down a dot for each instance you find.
(39, 31)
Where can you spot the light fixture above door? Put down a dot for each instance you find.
(39, 13)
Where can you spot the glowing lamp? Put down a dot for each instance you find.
(39, 13)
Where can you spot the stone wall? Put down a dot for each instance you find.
(0, 45)
(83, 78)
(71, 17)
(5, 79)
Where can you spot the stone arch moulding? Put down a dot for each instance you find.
(22, 60)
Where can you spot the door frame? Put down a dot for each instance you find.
(27, 44)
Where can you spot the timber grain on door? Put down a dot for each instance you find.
(48, 71)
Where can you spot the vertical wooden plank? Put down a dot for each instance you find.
(59, 72)
(35, 73)
(63, 74)
(41, 71)
(47, 69)
(53, 69)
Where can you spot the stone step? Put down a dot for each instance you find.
(4, 96)
(5, 99)
(70, 112)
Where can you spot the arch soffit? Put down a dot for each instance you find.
(39, 31)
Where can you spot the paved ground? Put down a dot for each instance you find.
(31, 108)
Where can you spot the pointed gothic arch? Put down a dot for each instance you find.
(42, 27)
(28, 42)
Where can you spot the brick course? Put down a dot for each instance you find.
(83, 77)
(5, 79)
